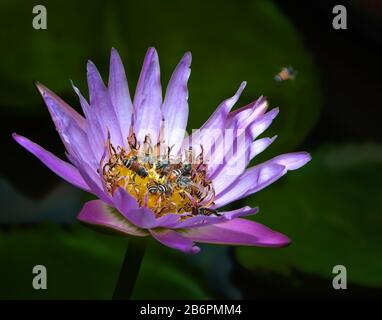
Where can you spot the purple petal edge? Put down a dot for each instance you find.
(97, 213)
(60, 167)
(238, 232)
(175, 240)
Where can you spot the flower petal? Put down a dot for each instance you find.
(51, 98)
(93, 127)
(142, 217)
(292, 161)
(238, 232)
(261, 124)
(119, 94)
(148, 99)
(260, 145)
(200, 220)
(215, 124)
(258, 177)
(62, 168)
(128, 206)
(257, 108)
(175, 105)
(231, 170)
(97, 213)
(63, 117)
(251, 181)
(219, 117)
(241, 132)
(92, 179)
(175, 240)
(101, 103)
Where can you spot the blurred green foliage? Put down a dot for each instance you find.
(83, 264)
(249, 41)
(330, 218)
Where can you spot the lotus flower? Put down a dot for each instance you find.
(149, 177)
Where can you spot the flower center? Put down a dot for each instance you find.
(157, 180)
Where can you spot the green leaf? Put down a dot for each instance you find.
(83, 264)
(331, 209)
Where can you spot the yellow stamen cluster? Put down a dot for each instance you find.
(159, 182)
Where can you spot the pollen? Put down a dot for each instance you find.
(157, 180)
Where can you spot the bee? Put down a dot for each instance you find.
(133, 164)
(154, 187)
(177, 173)
(184, 182)
(205, 211)
(163, 164)
(286, 73)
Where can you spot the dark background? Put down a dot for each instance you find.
(331, 208)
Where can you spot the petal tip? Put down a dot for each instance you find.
(90, 66)
(187, 58)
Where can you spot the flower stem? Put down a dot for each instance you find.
(130, 268)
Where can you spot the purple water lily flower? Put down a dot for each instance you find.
(149, 177)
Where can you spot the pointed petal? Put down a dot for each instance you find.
(244, 116)
(219, 117)
(251, 181)
(262, 124)
(119, 93)
(93, 128)
(72, 133)
(238, 232)
(258, 177)
(258, 106)
(215, 123)
(175, 240)
(64, 118)
(260, 145)
(101, 103)
(97, 213)
(293, 161)
(53, 102)
(148, 99)
(175, 105)
(62, 168)
(92, 179)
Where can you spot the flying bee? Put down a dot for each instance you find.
(205, 211)
(154, 187)
(133, 164)
(286, 73)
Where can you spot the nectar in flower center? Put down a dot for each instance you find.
(157, 180)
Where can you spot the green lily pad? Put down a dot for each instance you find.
(83, 264)
(331, 209)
